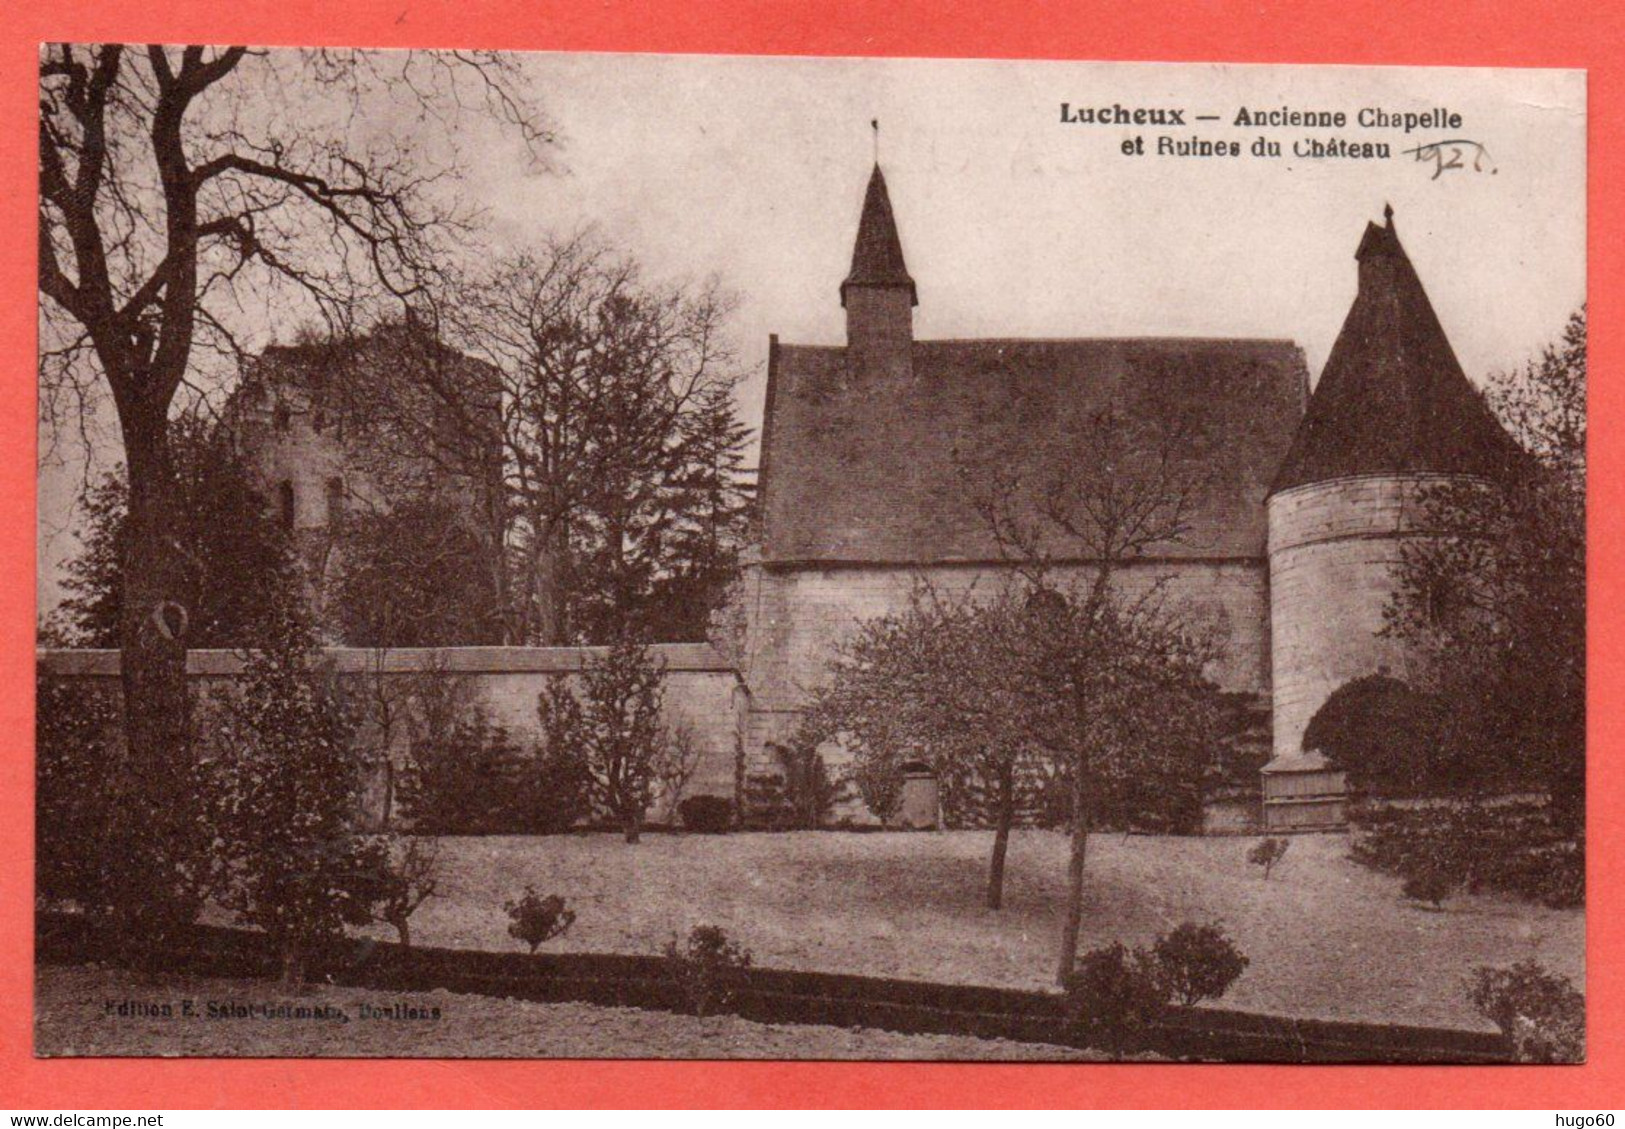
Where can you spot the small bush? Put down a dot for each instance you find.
(398, 879)
(1513, 848)
(1431, 884)
(1541, 1014)
(475, 778)
(879, 782)
(766, 806)
(535, 919)
(799, 797)
(1113, 994)
(78, 762)
(707, 815)
(1197, 962)
(1267, 853)
(709, 970)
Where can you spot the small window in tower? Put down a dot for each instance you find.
(282, 418)
(285, 503)
(335, 501)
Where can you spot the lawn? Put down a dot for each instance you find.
(71, 1011)
(1327, 938)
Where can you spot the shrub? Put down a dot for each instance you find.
(534, 919)
(285, 799)
(1267, 853)
(402, 878)
(1541, 1014)
(1383, 733)
(454, 782)
(709, 969)
(707, 815)
(553, 790)
(799, 797)
(1197, 962)
(1112, 994)
(475, 779)
(1514, 848)
(1431, 884)
(767, 805)
(76, 748)
(675, 766)
(615, 725)
(144, 881)
(811, 789)
(879, 782)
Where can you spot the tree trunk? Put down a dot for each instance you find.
(1074, 878)
(547, 585)
(160, 797)
(634, 825)
(293, 965)
(389, 789)
(404, 928)
(1001, 837)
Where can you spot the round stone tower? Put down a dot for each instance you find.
(1391, 414)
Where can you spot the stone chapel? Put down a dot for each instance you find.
(1306, 496)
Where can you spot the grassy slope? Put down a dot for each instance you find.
(1326, 937)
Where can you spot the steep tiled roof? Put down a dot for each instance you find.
(877, 254)
(861, 470)
(1392, 396)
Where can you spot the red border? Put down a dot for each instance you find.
(1456, 32)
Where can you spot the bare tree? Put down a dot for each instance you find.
(607, 418)
(183, 193)
(1118, 487)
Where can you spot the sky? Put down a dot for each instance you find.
(1015, 224)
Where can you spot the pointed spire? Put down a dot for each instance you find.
(877, 256)
(1392, 397)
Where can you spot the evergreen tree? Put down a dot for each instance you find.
(285, 798)
(1496, 603)
(237, 557)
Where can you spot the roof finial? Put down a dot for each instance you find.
(874, 124)
(1388, 214)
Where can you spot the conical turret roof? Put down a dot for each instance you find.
(1392, 397)
(877, 256)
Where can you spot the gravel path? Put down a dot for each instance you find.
(1326, 938)
(72, 1006)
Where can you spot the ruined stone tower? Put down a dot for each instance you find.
(1392, 412)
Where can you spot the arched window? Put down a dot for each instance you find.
(285, 503)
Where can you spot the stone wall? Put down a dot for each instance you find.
(505, 682)
(1334, 547)
(799, 614)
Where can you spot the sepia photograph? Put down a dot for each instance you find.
(581, 556)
